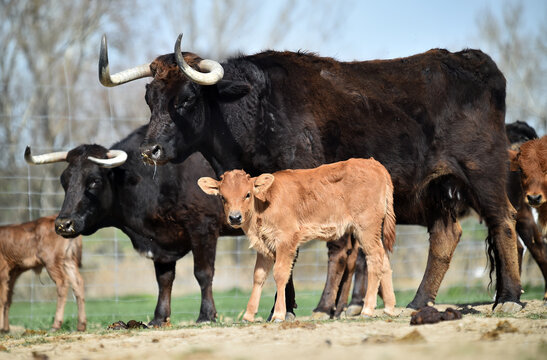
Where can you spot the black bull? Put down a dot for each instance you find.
(162, 210)
(434, 120)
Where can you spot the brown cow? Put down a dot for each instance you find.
(279, 212)
(35, 245)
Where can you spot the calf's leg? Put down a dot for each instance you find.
(386, 287)
(5, 284)
(58, 275)
(284, 258)
(262, 268)
(77, 284)
(530, 235)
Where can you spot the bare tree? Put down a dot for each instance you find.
(522, 56)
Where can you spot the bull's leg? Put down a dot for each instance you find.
(345, 286)
(499, 215)
(359, 286)
(262, 268)
(386, 287)
(204, 270)
(530, 235)
(77, 284)
(58, 275)
(284, 258)
(165, 275)
(338, 254)
(444, 235)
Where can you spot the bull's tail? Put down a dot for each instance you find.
(389, 217)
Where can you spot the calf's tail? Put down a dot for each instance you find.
(389, 217)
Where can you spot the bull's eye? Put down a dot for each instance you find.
(248, 195)
(94, 184)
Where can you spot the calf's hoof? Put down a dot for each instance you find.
(389, 311)
(354, 310)
(508, 307)
(81, 327)
(317, 315)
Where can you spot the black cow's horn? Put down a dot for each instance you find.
(45, 158)
(115, 158)
(122, 77)
(213, 71)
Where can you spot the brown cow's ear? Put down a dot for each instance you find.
(209, 185)
(261, 185)
(513, 160)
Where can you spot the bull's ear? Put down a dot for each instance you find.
(261, 185)
(230, 90)
(513, 160)
(209, 185)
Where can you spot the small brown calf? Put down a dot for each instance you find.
(531, 161)
(35, 245)
(278, 212)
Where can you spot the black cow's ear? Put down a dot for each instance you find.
(232, 89)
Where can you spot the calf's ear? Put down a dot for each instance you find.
(261, 185)
(513, 160)
(209, 185)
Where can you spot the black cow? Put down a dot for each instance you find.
(162, 210)
(434, 120)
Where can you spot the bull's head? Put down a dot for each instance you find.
(88, 191)
(531, 160)
(238, 192)
(177, 98)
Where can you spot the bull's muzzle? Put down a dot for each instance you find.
(152, 154)
(64, 226)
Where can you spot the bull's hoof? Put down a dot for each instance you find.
(353, 310)
(508, 307)
(290, 317)
(318, 316)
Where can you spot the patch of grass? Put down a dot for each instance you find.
(230, 306)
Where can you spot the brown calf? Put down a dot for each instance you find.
(531, 161)
(35, 245)
(280, 211)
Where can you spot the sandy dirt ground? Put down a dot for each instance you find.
(478, 335)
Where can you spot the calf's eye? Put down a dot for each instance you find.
(248, 195)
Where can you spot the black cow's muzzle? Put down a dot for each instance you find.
(64, 227)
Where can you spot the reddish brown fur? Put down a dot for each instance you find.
(279, 212)
(35, 245)
(531, 160)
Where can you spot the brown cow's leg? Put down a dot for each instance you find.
(444, 235)
(165, 275)
(530, 235)
(359, 285)
(386, 287)
(57, 274)
(338, 254)
(284, 257)
(77, 283)
(262, 268)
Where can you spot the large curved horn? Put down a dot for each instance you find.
(45, 158)
(213, 71)
(122, 77)
(115, 158)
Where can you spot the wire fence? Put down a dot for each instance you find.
(112, 270)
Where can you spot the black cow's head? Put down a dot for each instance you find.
(181, 98)
(88, 190)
